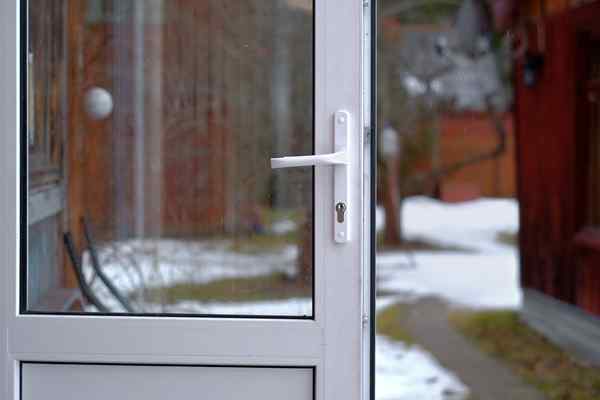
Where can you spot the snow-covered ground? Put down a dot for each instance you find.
(475, 280)
(484, 276)
(288, 307)
(410, 373)
(470, 225)
(146, 264)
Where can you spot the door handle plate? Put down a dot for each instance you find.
(341, 178)
(340, 160)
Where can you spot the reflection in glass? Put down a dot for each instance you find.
(153, 123)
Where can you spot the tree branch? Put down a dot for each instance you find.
(438, 174)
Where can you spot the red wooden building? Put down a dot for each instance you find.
(557, 126)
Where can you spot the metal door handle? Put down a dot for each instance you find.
(340, 160)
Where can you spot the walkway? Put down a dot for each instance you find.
(487, 378)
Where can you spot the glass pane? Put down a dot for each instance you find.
(448, 290)
(158, 119)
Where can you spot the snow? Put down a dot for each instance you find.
(288, 307)
(284, 226)
(167, 262)
(485, 275)
(471, 225)
(144, 264)
(474, 280)
(410, 373)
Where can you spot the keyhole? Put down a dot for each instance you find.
(340, 208)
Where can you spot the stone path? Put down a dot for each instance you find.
(486, 377)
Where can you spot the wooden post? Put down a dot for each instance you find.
(73, 165)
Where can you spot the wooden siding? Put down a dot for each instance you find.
(534, 7)
(552, 140)
(467, 134)
(206, 141)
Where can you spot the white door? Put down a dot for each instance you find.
(151, 248)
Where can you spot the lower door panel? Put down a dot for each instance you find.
(144, 382)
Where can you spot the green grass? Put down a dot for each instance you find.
(261, 288)
(389, 323)
(503, 335)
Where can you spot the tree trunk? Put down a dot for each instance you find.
(391, 204)
(305, 258)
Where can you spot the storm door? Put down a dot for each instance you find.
(185, 199)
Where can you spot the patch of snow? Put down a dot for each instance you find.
(145, 264)
(472, 224)
(410, 373)
(486, 276)
(284, 226)
(290, 307)
(474, 280)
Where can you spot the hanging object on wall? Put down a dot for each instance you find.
(526, 34)
(533, 64)
(98, 103)
(534, 57)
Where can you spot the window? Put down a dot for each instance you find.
(152, 124)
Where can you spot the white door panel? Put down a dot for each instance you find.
(124, 382)
(233, 320)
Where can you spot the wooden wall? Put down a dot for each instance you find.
(464, 135)
(207, 124)
(552, 142)
(549, 7)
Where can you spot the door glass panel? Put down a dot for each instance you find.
(150, 126)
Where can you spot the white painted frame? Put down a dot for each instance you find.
(336, 342)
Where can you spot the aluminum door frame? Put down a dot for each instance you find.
(337, 342)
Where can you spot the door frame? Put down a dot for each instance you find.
(21, 339)
(10, 105)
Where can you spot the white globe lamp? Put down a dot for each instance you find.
(98, 103)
